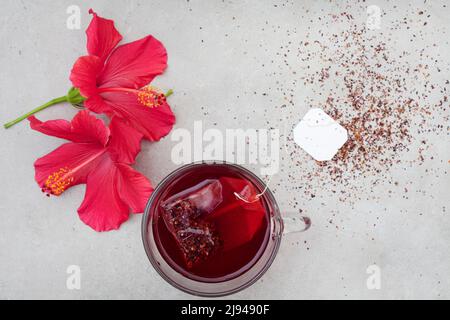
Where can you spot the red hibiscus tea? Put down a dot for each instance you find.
(210, 224)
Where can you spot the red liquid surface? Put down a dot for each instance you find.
(233, 234)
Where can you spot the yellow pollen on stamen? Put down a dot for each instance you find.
(57, 182)
(151, 97)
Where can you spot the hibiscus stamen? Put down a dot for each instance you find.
(58, 182)
(147, 96)
(151, 97)
(63, 178)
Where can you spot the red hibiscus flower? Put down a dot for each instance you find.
(114, 80)
(99, 157)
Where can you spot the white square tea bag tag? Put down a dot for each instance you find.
(320, 135)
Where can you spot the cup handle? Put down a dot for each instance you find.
(295, 223)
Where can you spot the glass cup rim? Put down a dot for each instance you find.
(146, 217)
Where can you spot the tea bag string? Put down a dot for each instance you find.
(257, 196)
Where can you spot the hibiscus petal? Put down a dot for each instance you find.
(125, 143)
(66, 166)
(134, 64)
(134, 188)
(98, 105)
(102, 208)
(86, 125)
(102, 36)
(84, 128)
(153, 122)
(84, 75)
(55, 128)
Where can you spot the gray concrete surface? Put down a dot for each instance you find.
(225, 67)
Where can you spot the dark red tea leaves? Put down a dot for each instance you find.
(197, 238)
(219, 214)
(389, 100)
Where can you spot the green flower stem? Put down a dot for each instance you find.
(44, 106)
(169, 93)
(74, 97)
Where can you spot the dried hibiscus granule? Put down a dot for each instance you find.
(197, 239)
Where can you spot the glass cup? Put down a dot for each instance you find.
(277, 226)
